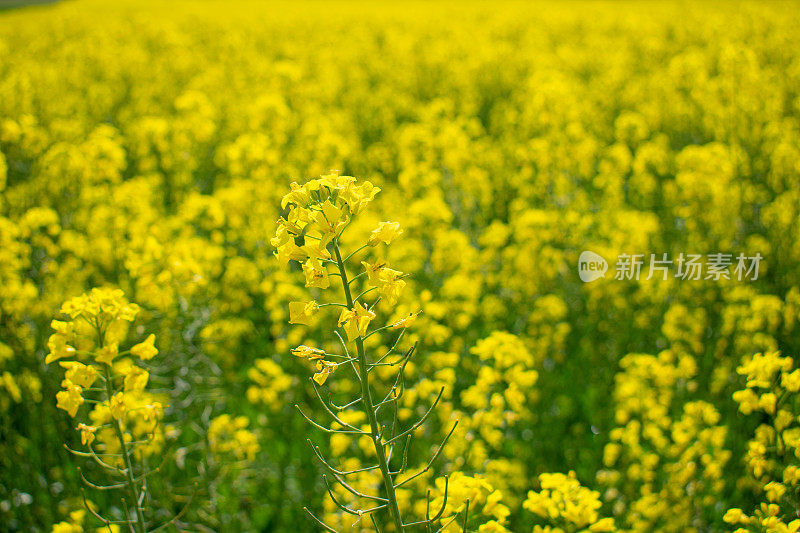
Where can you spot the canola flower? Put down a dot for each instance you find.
(124, 418)
(318, 213)
(150, 151)
(228, 435)
(660, 447)
(563, 501)
(773, 453)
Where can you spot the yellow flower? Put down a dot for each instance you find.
(296, 221)
(563, 496)
(246, 444)
(64, 328)
(152, 411)
(109, 300)
(768, 402)
(314, 251)
(300, 196)
(734, 516)
(230, 435)
(386, 232)
(289, 252)
(145, 350)
(324, 369)
(282, 235)
(747, 400)
(302, 312)
(391, 284)
(603, 525)
(761, 368)
(328, 221)
(136, 379)
(316, 273)
(117, 406)
(775, 491)
(59, 349)
(783, 419)
(87, 433)
(388, 281)
(70, 398)
(108, 353)
(8, 382)
(358, 196)
(106, 303)
(308, 352)
(79, 374)
(791, 381)
(791, 475)
(78, 306)
(492, 526)
(373, 271)
(66, 527)
(356, 321)
(494, 505)
(128, 311)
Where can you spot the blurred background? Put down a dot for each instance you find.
(146, 146)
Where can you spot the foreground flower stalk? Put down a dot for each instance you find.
(366, 397)
(122, 428)
(133, 488)
(319, 212)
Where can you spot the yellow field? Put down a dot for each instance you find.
(149, 148)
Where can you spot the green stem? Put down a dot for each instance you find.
(366, 394)
(134, 490)
(354, 252)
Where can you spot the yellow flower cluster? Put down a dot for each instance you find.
(500, 398)
(77, 523)
(666, 458)
(86, 346)
(318, 212)
(149, 146)
(566, 505)
(486, 506)
(229, 435)
(125, 418)
(270, 384)
(773, 453)
(311, 233)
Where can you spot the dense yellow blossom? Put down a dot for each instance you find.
(228, 435)
(562, 501)
(182, 152)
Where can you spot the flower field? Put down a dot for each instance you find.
(350, 267)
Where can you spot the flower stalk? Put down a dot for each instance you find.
(366, 396)
(124, 417)
(318, 214)
(133, 488)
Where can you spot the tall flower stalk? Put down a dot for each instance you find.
(123, 422)
(318, 214)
